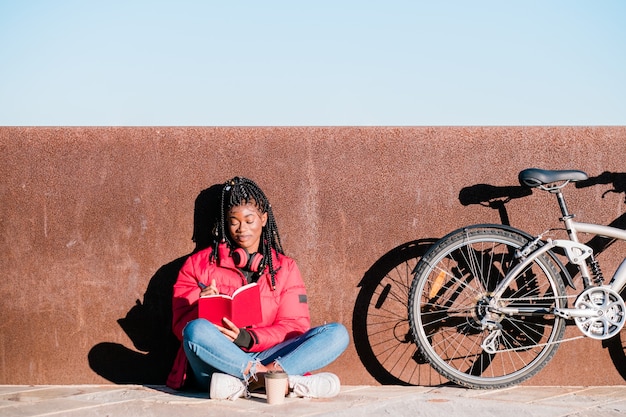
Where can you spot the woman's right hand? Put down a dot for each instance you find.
(210, 290)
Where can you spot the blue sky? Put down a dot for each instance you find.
(315, 63)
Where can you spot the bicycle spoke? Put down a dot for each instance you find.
(452, 313)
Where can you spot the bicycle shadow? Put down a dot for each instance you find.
(148, 324)
(380, 328)
(494, 197)
(616, 345)
(618, 181)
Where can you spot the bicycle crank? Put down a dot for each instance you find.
(599, 312)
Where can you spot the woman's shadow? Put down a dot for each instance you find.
(149, 324)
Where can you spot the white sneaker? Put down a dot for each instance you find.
(322, 385)
(226, 387)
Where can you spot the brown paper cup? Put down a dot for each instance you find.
(276, 387)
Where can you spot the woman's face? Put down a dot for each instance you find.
(245, 224)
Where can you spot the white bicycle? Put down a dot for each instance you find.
(488, 305)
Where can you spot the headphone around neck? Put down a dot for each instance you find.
(251, 262)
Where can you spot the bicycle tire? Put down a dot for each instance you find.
(448, 299)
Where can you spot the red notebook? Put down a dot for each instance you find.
(243, 308)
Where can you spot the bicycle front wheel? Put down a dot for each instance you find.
(462, 331)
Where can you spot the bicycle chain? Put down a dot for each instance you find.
(541, 344)
(564, 297)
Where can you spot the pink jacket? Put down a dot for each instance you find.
(285, 310)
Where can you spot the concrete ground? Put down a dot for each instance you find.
(361, 401)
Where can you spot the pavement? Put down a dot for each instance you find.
(361, 401)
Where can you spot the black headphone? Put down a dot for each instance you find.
(251, 262)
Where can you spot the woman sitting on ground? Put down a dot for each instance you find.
(230, 361)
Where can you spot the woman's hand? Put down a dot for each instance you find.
(229, 330)
(210, 290)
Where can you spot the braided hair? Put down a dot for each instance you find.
(239, 191)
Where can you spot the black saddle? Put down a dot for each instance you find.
(534, 177)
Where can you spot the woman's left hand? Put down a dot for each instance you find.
(229, 330)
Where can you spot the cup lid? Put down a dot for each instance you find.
(275, 375)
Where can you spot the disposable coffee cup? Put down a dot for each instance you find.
(276, 387)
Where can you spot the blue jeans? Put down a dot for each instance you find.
(209, 351)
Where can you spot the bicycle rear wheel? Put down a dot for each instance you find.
(463, 338)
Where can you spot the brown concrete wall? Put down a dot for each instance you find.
(94, 223)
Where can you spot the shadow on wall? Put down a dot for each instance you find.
(617, 344)
(380, 325)
(149, 324)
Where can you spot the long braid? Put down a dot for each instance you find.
(238, 191)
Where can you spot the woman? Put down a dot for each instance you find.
(231, 361)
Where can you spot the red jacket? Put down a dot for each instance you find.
(285, 310)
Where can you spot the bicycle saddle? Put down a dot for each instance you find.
(534, 177)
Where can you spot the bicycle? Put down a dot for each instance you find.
(488, 303)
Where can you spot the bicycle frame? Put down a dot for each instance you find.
(619, 278)
(576, 252)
